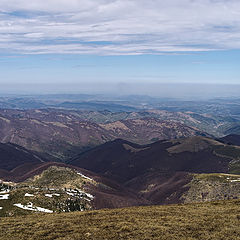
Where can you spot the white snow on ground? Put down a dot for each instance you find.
(5, 191)
(28, 195)
(236, 180)
(30, 207)
(51, 195)
(0, 208)
(87, 194)
(48, 195)
(71, 194)
(233, 180)
(72, 190)
(4, 197)
(84, 176)
(76, 193)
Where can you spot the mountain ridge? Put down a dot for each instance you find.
(58, 136)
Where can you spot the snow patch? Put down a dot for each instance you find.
(4, 197)
(79, 193)
(28, 195)
(30, 207)
(89, 195)
(236, 180)
(71, 194)
(49, 195)
(88, 178)
(5, 191)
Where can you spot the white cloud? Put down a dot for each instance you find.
(111, 27)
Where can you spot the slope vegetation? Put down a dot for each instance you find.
(123, 174)
(57, 187)
(160, 172)
(62, 134)
(124, 160)
(216, 220)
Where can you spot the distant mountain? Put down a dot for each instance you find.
(217, 117)
(59, 135)
(233, 130)
(95, 106)
(148, 130)
(52, 138)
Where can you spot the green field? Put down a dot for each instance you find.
(212, 221)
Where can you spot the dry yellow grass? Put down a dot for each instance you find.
(204, 221)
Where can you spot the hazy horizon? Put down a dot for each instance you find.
(158, 90)
(187, 48)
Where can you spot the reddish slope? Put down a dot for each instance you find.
(232, 139)
(147, 130)
(161, 188)
(61, 135)
(12, 155)
(160, 171)
(55, 139)
(123, 161)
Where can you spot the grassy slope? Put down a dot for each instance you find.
(212, 187)
(216, 220)
(60, 179)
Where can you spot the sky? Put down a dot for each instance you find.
(118, 45)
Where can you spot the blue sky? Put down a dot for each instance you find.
(91, 44)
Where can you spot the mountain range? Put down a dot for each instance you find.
(56, 155)
(120, 174)
(59, 135)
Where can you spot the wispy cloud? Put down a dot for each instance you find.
(118, 27)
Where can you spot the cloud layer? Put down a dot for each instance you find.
(118, 27)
